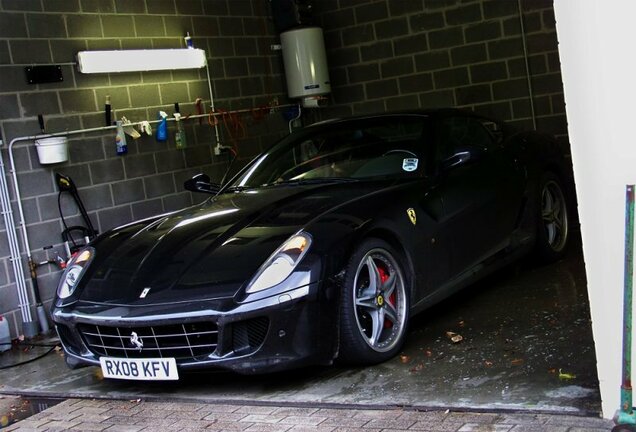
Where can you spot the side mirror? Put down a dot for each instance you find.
(499, 135)
(201, 183)
(495, 129)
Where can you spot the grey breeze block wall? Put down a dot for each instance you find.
(236, 35)
(383, 55)
(405, 54)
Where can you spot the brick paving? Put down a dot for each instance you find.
(135, 416)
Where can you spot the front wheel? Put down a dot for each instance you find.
(374, 308)
(553, 230)
(624, 428)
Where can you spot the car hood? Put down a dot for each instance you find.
(208, 251)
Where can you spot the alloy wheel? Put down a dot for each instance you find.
(380, 300)
(554, 215)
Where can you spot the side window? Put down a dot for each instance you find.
(480, 136)
(460, 134)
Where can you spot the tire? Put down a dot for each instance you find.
(374, 308)
(553, 228)
(624, 428)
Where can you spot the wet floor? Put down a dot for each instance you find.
(526, 344)
(14, 409)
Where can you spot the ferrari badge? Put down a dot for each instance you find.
(136, 341)
(412, 215)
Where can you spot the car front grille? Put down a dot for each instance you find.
(69, 339)
(184, 342)
(249, 335)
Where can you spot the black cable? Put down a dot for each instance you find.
(28, 361)
(84, 213)
(29, 344)
(59, 207)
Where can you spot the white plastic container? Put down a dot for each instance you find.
(305, 63)
(5, 336)
(52, 150)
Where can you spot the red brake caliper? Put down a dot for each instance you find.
(383, 277)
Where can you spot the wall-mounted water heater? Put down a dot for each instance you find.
(305, 63)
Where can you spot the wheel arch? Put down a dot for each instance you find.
(554, 168)
(348, 327)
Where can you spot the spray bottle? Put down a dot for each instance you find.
(180, 135)
(188, 40)
(162, 128)
(120, 140)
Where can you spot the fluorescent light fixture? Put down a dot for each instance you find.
(140, 60)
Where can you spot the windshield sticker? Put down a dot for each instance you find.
(409, 164)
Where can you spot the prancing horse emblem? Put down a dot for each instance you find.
(136, 341)
(412, 215)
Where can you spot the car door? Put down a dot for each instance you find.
(479, 188)
(426, 222)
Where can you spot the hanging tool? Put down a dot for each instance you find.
(129, 129)
(88, 232)
(199, 107)
(41, 123)
(107, 111)
(625, 417)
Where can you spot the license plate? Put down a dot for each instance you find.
(147, 369)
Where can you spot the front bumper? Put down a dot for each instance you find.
(284, 331)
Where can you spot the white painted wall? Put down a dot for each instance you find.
(597, 46)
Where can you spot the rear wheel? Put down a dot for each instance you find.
(375, 304)
(553, 230)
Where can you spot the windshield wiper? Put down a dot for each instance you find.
(238, 188)
(294, 182)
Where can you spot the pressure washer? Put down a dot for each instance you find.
(77, 236)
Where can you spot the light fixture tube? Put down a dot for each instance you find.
(140, 60)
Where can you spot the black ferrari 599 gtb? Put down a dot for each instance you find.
(319, 249)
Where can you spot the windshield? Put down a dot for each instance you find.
(358, 149)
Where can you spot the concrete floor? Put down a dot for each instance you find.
(527, 345)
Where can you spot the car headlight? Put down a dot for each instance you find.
(74, 271)
(281, 263)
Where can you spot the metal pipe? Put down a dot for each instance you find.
(105, 128)
(38, 64)
(25, 238)
(217, 149)
(291, 122)
(626, 387)
(525, 56)
(14, 250)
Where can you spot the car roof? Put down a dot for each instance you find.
(433, 112)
